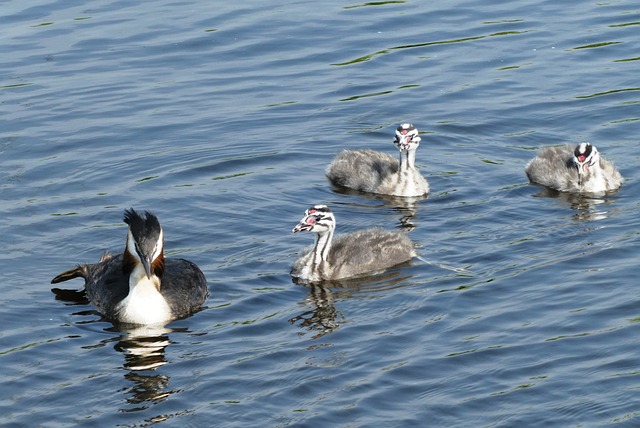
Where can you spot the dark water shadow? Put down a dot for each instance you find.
(71, 297)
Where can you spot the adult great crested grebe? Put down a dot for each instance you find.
(140, 286)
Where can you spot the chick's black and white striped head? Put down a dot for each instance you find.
(318, 218)
(585, 156)
(407, 137)
(145, 239)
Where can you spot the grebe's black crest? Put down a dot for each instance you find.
(145, 229)
(148, 241)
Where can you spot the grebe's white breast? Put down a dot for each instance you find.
(144, 304)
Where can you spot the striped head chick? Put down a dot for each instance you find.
(407, 137)
(585, 159)
(318, 218)
(314, 266)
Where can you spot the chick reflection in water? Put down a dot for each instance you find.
(586, 207)
(324, 318)
(406, 207)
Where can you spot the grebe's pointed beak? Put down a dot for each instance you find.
(146, 263)
(306, 224)
(302, 227)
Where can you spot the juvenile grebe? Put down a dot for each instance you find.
(140, 286)
(353, 254)
(568, 169)
(375, 172)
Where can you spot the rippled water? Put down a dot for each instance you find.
(221, 117)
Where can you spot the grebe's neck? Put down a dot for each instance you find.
(407, 160)
(323, 247)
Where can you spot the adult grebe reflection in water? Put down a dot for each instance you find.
(144, 350)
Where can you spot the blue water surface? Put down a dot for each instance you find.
(220, 117)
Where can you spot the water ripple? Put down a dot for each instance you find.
(221, 118)
(423, 45)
